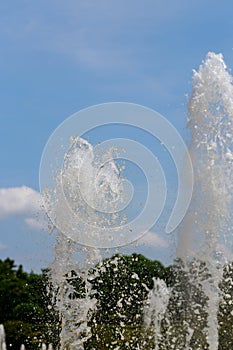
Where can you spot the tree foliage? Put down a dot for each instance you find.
(120, 285)
(26, 309)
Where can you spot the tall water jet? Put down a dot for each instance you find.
(155, 309)
(2, 338)
(207, 226)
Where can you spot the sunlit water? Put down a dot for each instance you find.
(96, 187)
(155, 308)
(2, 338)
(205, 231)
(208, 225)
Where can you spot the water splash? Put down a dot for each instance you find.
(87, 194)
(155, 308)
(207, 227)
(92, 192)
(69, 276)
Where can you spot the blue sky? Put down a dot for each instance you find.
(58, 57)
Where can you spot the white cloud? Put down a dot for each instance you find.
(19, 201)
(24, 202)
(152, 239)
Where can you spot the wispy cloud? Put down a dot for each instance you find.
(36, 223)
(103, 34)
(152, 239)
(122, 46)
(2, 246)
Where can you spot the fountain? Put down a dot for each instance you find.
(184, 315)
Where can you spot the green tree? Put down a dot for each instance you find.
(121, 285)
(185, 321)
(26, 309)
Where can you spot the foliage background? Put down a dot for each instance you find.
(121, 286)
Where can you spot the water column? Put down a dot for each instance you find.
(155, 308)
(207, 226)
(86, 187)
(2, 338)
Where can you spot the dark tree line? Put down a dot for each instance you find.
(26, 308)
(120, 285)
